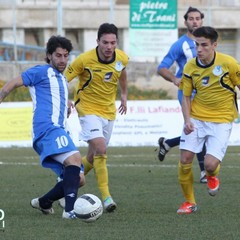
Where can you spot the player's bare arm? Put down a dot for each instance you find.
(186, 109)
(123, 87)
(70, 107)
(9, 86)
(169, 76)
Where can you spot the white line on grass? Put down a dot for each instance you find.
(112, 165)
(18, 163)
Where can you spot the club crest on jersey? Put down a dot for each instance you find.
(119, 66)
(205, 81)
(107, 77)
(217, 71)
(238, 74)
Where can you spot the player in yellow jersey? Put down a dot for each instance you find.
(208, 117)
(99, 72)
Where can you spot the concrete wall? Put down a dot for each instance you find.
(86, 16)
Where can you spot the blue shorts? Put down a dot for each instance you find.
(54, 141)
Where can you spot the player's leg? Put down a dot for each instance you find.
(200, 158)
(87, 165)
(62, 201)
(54, 154)
(189, 145)
(96, 156)
(212, 171)
(108, 201)
(71, 181)
(165, 145)
(185, 177)
(87, 124)
(216, 143)
(101, 172)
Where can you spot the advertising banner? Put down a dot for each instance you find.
(152, 27)
(144, 123)
(15, 124)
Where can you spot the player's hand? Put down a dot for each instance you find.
(177, 81)
(188, 127)
(122, 109)
(70, 107)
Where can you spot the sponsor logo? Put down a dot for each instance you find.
(107, 77)
(205, 81)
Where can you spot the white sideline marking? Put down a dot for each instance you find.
(158, 165)
(18, 163)
(109, 165)
(114, 165)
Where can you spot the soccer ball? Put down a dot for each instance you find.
(88, 207)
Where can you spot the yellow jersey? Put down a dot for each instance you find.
(215, 99)
(97, 82)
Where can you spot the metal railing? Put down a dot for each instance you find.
(24, 52)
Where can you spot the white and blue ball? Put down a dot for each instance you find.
(88, 208)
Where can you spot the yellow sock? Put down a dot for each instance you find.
(101, 172)
(185, 177)
(87, 165)
(215, 172)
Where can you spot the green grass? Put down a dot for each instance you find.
(146, 190)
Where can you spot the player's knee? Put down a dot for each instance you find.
(210, 163)
(186, 157)
(74, 159)
(210, 168)
(101, 150)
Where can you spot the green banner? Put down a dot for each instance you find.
(153, 14)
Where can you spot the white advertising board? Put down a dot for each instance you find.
(144, 123)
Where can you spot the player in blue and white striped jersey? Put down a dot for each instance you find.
(49, 92)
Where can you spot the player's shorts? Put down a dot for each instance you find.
(214, 135)
(94, 126)
(54, 142)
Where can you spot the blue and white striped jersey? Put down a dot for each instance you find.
(180, 52)
(49, 92)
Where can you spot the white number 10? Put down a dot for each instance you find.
(62, 141)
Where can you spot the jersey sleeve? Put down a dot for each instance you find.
(123, 57)
(30, 76)
(186, 83)
(170, 57)
(74, 69)
(234, 71)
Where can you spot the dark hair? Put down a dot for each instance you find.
(206, 32)
(107, 28)
(57, 41)
(191, 9)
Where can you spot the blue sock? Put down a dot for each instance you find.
(173, 142)
(71, 180)
(200, 158)
(54, 194)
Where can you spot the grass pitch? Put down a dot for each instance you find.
(146, 191)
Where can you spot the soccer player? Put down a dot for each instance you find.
(49, 92)
(209, 116)
(180, 52)
(99, 72)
